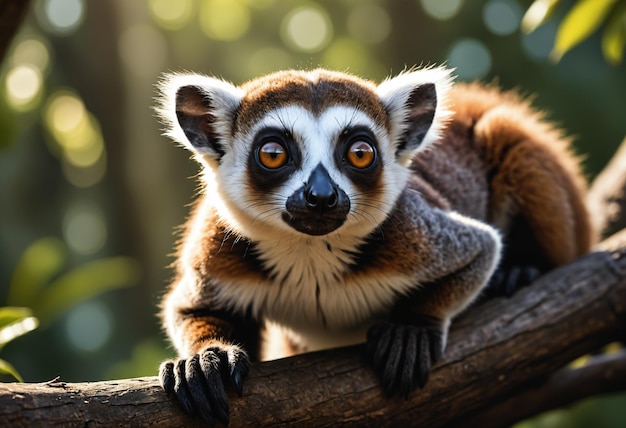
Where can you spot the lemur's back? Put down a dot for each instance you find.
(495, 162)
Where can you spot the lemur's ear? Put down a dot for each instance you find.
(416, 102)
(198, 112)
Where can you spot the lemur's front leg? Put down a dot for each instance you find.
(461, 254)
(212, 356)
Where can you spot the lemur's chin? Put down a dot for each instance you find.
(314, 226)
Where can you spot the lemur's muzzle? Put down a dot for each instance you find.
(319, 206)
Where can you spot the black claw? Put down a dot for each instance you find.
(512, 281)
(166, 376)
(530, 274)
(392, 369)
(239, 370)
(436, 345)
(197, 389)
(506, 280)
(402, 354)
(181, 389)
(407, 383)
(424, 361)
(210, 364)
(237, 378)
(198, 382)
(382, 347)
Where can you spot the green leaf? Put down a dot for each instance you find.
(538, 13)
(16, 329)
(614, 36)
(39, 263)
(84, 282)
(583, 19)
(8, 369)
(10, 314)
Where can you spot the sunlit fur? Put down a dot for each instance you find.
(258, 216)
(309, 285)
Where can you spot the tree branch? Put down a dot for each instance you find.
(495, 350)
(603, 374)
(607, 196)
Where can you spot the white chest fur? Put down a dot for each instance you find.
(313, 289)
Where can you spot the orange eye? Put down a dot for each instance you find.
(360, 155)
(272, 155)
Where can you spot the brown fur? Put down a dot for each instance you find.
(492, 164)
(289, 87)
(497, 165)
(515, 155)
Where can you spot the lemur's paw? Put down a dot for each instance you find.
(198, 382)
(506, 280)
(402, 354)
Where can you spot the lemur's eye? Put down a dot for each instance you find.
(360, 154)
(272, 155)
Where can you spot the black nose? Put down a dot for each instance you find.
(318, 207)
(320, 193)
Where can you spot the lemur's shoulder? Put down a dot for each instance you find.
(212, 251)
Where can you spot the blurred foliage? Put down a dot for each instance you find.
(37, 284)
(82, 158)
(144, 359)
(14, 322)
(583, 19)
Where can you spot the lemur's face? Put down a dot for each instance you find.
(311, 153)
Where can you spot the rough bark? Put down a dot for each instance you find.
(602, 374)
(496, 351)
(607, 195)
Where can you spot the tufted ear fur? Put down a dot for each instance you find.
(198, 112)
(416, 102)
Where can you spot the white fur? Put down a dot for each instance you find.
(394, 93)
(317, 137)
(225, 98)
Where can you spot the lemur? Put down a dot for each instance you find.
(336, 211)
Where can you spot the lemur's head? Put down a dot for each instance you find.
(305, 152)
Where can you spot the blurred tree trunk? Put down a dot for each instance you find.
(92, 64)
(12, 13)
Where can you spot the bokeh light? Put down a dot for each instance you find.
(307, 29)
(224, 20)
(538, 44)
(471, 57)
(502, 17)
(32, 52)
(369, 23)
(84, 177)
(441, 9)
(63, 17)
(67, 113)
(89, 326)
(77, 136)
(84, 228)
(171, 15)
(23, 87)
